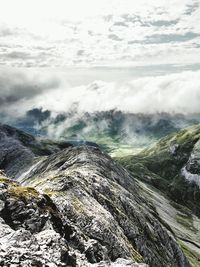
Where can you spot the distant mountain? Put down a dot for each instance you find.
(117, 132)
(18, 150)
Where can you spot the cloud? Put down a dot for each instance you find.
(165, 23)
(60, 91)
(19, 86)
(170, 38)
(114, 37)
(17, 55)
(109, 33)
(57, 100)
(191, 8)
(5, 32)
(171, 93)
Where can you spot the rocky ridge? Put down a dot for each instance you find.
(78, 207)
(34, 233)
(105, 203)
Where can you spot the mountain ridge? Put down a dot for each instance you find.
(100, 202)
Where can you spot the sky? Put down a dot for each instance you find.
(96, 55)
(55, 33)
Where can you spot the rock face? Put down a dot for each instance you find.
(29, 228)
(78, 207)
(35, 233)
(191, 171)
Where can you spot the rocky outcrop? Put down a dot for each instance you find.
(34, 233)
(191, 171)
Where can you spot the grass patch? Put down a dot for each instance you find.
(21, 192)
(17, 191)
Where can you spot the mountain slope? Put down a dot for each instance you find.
(103, 200)
(183, 222)
(82, 209)
(173, 166)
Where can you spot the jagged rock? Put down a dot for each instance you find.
(192, 168)
(120, 263)
(22, 248)
(34, 233)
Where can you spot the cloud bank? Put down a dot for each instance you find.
(17, 87)
(21, 91)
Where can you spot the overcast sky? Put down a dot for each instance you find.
(147, 53)
(57, 33)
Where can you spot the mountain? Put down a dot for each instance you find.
(173, 166)
(170, 171)
(79, 207)
(115, 131)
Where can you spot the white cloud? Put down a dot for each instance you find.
(18, 87)
(54, 91)
(178, 93)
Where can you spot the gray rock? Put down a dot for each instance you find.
(2, 205)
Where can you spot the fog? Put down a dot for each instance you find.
(59, 92)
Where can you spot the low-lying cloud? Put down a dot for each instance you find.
(17, 87)
(21, 91)
(174, 93)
